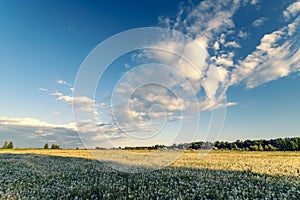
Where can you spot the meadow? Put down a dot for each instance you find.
(75, 174)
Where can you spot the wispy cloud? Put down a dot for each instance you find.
(276, 56)
(259, 22)
(43, 89)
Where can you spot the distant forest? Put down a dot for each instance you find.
(279, 144)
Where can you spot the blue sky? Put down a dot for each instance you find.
(252, 44)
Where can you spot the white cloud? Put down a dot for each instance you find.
(243, 34)
(81, 103)
(292, 10)
(232, 44)
(276, 56)
(62, 82)
(216, 46)
(30, 132)
(127, 66)
(254, 2)
(259, 22)
(223, 105)
(167, 51)
(35, 133)
(43, 89)
(31, 122)
(222, 38)
(208, 18)
(223, 60)
(204, 23)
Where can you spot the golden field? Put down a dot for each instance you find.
(269, 163)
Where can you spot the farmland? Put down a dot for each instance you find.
(73, 174)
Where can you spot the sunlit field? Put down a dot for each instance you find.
(75, 174)
(270, 163)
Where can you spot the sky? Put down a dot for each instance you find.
(229, 70)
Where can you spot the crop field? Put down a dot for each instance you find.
(74, 174)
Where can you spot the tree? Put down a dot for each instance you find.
(253, 148)
(270, 147)
(228, 145)
(239, 144)
(218, 144)
(260, 148)
(10, 145)
(5, 145)
(55, 146)
(292, 146)
(46, 146)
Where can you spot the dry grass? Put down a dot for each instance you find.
(64, 153)
(271, 163)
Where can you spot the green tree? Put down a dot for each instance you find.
(292, 146)
(5, 145)
(10, 145)
(46, 146)
(55, 146)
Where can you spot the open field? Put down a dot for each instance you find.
(271, 163)
(69, 174)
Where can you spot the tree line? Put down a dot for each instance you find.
(279, 144)
(8, 145)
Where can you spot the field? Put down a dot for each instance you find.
(74, 174)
